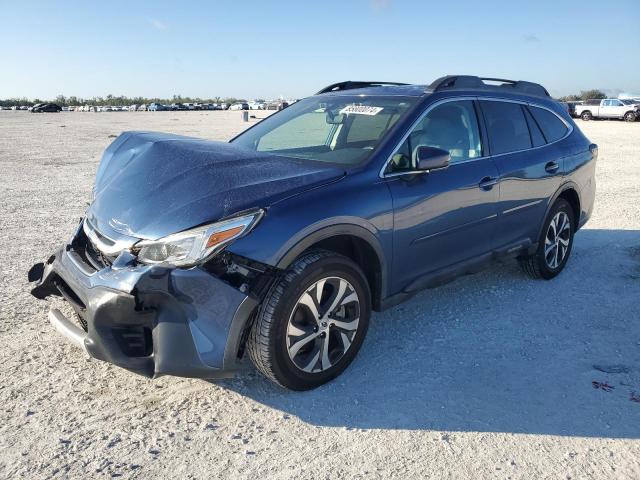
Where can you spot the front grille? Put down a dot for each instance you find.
(97, 259)
(89, 254)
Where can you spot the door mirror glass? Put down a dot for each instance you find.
(431, 158)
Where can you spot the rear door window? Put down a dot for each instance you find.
(552, 127)
(508, 130)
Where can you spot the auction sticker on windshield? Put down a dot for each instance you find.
(361, 110)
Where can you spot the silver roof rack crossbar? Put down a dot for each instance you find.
(351, 84)
(470, 82)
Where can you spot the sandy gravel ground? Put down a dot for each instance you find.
(490, 376)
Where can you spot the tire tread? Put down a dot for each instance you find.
(258, 342)
(532, 264)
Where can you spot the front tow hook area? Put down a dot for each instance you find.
(66, 328)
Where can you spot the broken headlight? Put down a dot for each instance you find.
(188, 248)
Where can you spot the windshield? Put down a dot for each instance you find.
(336, 129)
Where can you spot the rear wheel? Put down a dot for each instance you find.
(312, 321)
(586, 116)
(630, 117)
(554, 245)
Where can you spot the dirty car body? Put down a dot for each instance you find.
(192, 249)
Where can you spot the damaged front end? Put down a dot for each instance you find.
(153, 319)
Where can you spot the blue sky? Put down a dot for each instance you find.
(292, 48)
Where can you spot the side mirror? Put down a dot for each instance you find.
(431, 158)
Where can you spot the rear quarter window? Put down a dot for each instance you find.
(536, 134)
(552, 127)
(508, 130)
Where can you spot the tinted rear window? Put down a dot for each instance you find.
(508, 131)
(552, 127)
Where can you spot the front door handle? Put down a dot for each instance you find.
(487, 183)
(552, 167)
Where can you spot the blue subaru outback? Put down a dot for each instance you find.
(281, 242)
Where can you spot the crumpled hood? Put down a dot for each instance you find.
(150, 185)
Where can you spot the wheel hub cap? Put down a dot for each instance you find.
(556, 244)
(323, 324)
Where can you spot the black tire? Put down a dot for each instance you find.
(630, 117)
(537, 265)
(269, 337)
(586, 116)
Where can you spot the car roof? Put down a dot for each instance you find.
(395, 90)
(455, 84)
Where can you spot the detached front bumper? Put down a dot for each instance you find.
(151, 320)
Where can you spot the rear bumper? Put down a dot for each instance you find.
(150, 320)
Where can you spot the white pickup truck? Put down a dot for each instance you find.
(609, 108)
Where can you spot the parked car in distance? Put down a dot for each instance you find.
(239, 106)
(256, 106)
(281, 242)
(608, 108)
(178, 106)
(157, 107)
(142, 108)
(571, 107)
(46, 107)
(276, 105)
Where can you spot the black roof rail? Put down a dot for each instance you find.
(351, 84)
(471, 82)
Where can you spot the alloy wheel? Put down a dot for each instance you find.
(557, 239)
(323, 324)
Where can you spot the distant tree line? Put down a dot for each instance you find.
(123, 100)
(116, 100)
(584, 95)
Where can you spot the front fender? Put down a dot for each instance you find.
(354, 206)
(331, 227)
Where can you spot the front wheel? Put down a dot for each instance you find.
(554, 245)
(312, 321)
(630, 117)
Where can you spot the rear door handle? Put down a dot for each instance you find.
(552, 167)
(487, 183)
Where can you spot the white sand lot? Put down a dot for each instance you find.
(487, 377)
